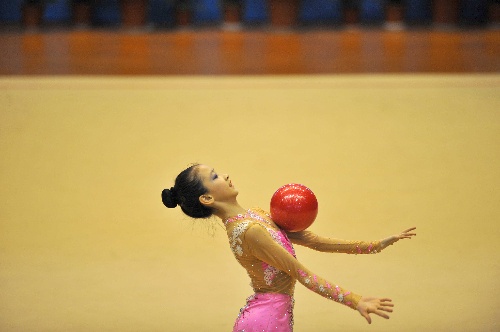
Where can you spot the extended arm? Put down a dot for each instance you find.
(324, 244)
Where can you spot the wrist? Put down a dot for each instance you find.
(386, 242)
(355, 300)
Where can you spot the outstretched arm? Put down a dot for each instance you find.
(311, 240)
(260, 243)
(324, 244)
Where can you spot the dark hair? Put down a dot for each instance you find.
(186, 192)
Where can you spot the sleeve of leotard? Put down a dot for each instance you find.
(260, 243)
(324, 244)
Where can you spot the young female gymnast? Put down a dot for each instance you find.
(267, 253)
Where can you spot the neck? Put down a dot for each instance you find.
(229, 210)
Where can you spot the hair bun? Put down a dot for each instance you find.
(169, 197)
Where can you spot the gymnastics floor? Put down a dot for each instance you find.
(87, 245)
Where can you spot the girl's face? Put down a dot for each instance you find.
(219, 186)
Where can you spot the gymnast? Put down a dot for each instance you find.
(267, 253)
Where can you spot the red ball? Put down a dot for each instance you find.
(294, 207)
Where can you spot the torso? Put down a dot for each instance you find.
(264, 277)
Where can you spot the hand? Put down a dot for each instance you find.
(373, 305)
(395, 238)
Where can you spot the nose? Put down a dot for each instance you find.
(226, 176)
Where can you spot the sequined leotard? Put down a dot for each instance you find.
(267, 254)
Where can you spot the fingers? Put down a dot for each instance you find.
(385, 305)
(385, 308)
(379, 307)
(381, 314)
(386, 300)
(367, 317)
(409, 230)
(406, 234)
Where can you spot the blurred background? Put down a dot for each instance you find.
(388, 110)
(175, 13)
(248, 36)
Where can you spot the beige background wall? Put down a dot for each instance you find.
(86, 245)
